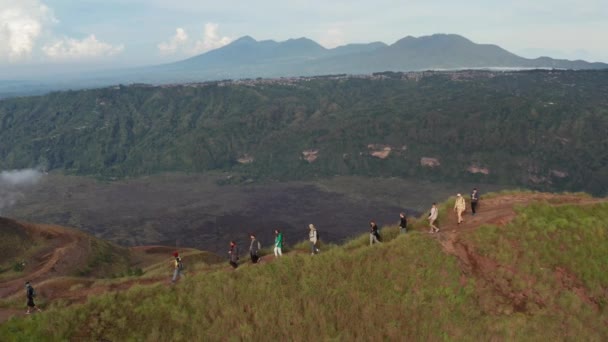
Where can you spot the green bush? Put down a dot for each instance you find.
(19, 266)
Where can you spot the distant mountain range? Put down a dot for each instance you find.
(246, 58)
(249, 58)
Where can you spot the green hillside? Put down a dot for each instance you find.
(541, 276)
(539, 129)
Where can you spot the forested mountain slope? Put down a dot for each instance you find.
(540, 129)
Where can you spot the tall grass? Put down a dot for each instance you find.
(365, 293)
(557, 255)
(406, 288)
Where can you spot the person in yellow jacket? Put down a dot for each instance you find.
(459, 207)
(178, 268)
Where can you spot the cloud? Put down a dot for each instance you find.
(21, 24)
(13, 183)
(333, 36)
(181, 43)
(211, 39)
(177, 41)
(89, 47)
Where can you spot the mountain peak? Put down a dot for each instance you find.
(245, 39)
(438, 37)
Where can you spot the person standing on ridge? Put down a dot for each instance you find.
(234, 255)
(374, 234)
(178, 267)
(474, 200)
(254, 249)
(459, 207)
(433, 216)
(313, 236)
(278, 243)
(30, 293)
(402, 223)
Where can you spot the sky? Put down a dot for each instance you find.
(37, 35)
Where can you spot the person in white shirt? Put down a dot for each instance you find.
(433, 216)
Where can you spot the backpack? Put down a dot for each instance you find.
(180, 264)
(259, 245)
(33, 292)
(318, 236)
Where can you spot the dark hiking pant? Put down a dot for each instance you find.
(254, 258)
(474, 207)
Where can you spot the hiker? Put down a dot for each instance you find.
(30, 293)
(278, 243)
(460, 207)
(402, 223)
(254, 249)
(178, 267)
(374, 234)
(433, 216)
(474, 200)
(313, 236)
(234, 255)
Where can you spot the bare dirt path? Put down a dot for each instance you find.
(50, 263)
(495, 211)
(499, 211)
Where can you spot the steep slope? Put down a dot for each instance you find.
(45, 251)
(540, 129)
(528, 266)
(41, 253)
(68, 266)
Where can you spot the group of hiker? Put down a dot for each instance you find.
(433, 217)
(313, 237)
(460, 206)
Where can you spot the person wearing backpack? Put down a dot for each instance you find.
(374, 235)
(234, 255)
(474, 201)
(313, 236)
(30, 293)
(254, 249)
(278, 243)
(402, 223)
(178, 267)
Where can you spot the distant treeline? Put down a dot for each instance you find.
(539, 129)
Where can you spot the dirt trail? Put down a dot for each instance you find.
(499, 211)
(495, 211)
(51, 263)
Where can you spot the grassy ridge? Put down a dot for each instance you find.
(405, 289)
(340, 294)
(557, 256)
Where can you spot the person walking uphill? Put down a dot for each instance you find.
(178, 267)
(474, 201)
(254, 249)
(459, 207)
(313, 236)
(402, 223)
(278, 243)
(234, 255)
(374, 234)
(433, 216)
(30, 293)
